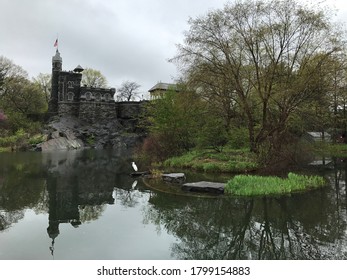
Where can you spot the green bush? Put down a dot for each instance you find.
(238, 138)
(36, 139)
(17, 139)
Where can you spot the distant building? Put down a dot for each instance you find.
(160, 88)
(315, 136)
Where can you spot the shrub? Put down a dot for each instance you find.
(238, 138)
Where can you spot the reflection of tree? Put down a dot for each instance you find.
(89, 213)
(22, 186)
(8, 218)
(128, 198)
(301, 226)
(76, 190)
(207, 228)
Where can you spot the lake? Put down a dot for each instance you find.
(84, 205)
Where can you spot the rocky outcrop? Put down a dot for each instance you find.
(60, 143)
(68, 133)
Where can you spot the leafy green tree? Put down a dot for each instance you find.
(19, 97)
(212, 133)
(93, 78)
(261, 50)
(24, 97)
(216, 91)
(173, 122)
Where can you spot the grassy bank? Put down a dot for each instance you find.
(230, 160)
(249, 185)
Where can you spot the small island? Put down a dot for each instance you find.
(252, 185)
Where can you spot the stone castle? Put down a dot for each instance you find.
(90, 104)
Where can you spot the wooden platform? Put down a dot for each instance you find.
(204, 186)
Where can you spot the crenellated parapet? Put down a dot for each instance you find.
(92, 94)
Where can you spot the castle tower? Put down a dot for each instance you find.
(57, 63)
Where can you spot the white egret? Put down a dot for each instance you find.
(134, 166)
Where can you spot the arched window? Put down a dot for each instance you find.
(70, 96)
(88, 95)
(70, 84)
(107, 97)
(97, 96)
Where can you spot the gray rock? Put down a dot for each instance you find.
(204, 186)
(60, 143)
(68, 132)
(54, 135)
(177, 178)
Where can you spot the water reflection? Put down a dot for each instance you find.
(22, 185)
(86, 187)
(300, 226)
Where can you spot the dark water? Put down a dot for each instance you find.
(84, 205)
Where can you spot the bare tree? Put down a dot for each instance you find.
(128, 91)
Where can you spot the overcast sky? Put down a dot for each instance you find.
(124, 39)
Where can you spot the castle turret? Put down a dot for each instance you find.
(57, 63)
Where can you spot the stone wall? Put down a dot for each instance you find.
(94, 111)
(129, 110)
(68, 109)
(129, 114)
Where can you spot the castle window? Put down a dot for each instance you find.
(70, 84)
(107, 97)
(88, 95)
(70, 96)
(97, 96)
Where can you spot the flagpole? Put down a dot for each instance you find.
(56, 43)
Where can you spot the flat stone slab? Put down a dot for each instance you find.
(139, 174)
(178, 178)
(204, 186)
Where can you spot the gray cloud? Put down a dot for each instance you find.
(124, 39)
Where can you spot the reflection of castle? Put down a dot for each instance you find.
(91, 104)
(67, 196)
